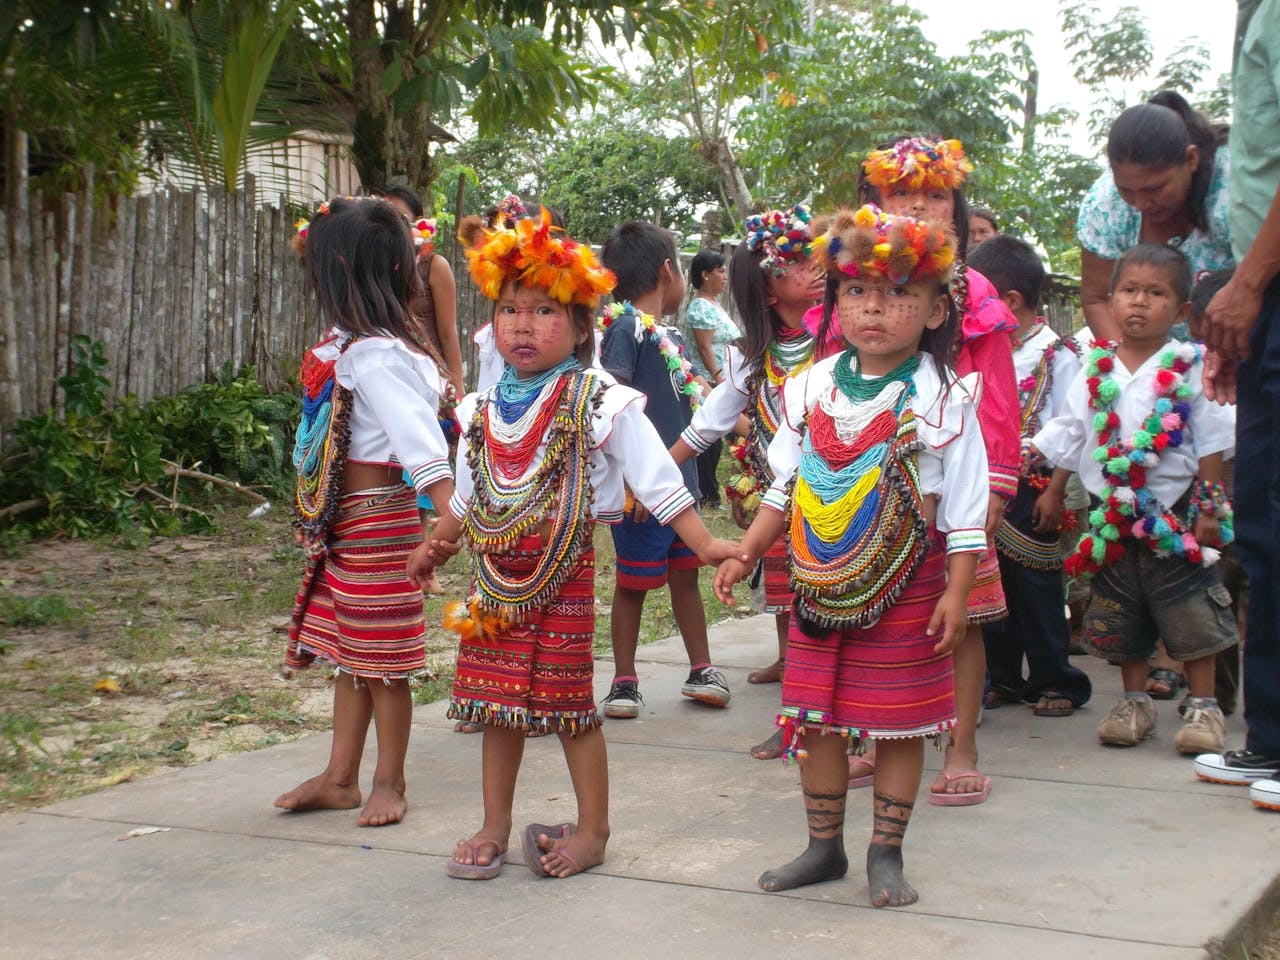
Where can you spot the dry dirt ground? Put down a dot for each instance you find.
(117, 661)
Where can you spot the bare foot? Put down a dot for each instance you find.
(433, 585)
(466, 726)
(769, 674)
(884, 876)
(769, 749)
(823, 860)
(386, 806)
(862, 771)
(572, 853)
(318, 793)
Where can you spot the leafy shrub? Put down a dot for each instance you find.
(104, 467)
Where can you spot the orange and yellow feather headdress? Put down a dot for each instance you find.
(534, 253)
(920, 163)
(869, 241)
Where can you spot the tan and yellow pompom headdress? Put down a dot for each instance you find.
(869, 241)
(534, 253)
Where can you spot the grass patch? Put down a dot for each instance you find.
(37, 611)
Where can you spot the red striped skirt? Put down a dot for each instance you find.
(879, 681)
(538, 673)
(356, 609)
(986, 597)
(775, 565)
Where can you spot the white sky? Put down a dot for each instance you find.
(951, 24)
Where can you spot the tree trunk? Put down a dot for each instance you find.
(719, 152)
(372, 106)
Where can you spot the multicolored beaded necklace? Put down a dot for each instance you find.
(510, 500)
(672, 353)
(1128, 507)
(857, 525)
(789, 352)
(320, 447)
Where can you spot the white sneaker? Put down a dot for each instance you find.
(1265, 794)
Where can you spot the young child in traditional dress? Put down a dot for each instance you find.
(639, 350)
(924, 177)
(543, 457)
(774, 283)
(1149, 445)
(1027, 539)
(881, 476)
(371, 391)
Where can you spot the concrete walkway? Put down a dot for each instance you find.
(1081, 851)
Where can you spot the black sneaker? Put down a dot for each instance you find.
(624, 700)
(707, 686)
(1236, 767)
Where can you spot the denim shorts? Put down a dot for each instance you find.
(1141, 598)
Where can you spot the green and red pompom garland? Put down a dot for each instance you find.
(1128, 507)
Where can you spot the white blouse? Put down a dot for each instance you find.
(953, 461)
(626, 451)
(718, 413)
(1065, 365)
(394, 416)
(1069, 439)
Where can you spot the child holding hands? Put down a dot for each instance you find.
(880, 475)
(542, 457)
(372, 389)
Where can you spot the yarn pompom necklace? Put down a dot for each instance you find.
(672, 354)
(1128, 507)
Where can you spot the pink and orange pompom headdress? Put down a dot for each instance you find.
(919, 163)
(869, 241)
(534, 253)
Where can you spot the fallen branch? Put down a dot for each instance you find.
(174, 504)
(174, 470)
(22, 506)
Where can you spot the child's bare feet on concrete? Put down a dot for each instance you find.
(572, 851)
(823, 860)
(320, 793)
(889, 887)
(770, 674)
(769, 749)
(386, 806)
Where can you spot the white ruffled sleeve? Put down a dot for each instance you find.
(719, 412)
(402, 390)
(635, 452)
(784, 449)
(463, 483)
(1065, 367)
(965, 490)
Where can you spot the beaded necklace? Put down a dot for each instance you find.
(672, 353)
(507, 504)
(857, 524)
(789, 352)
(1128, 507)
(320, 447)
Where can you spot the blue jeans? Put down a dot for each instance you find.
(1257, 508)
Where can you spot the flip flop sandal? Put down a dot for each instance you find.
(969, 799)
(476, 871)
(862, 779)
(533, 853)
(1168, 678)
(1042, 708)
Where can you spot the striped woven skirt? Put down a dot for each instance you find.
(356, 609)
(879, 681)
(986, 597)
(538, 673)
(773, 574)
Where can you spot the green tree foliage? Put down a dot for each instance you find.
(611, 172)
(127, 84)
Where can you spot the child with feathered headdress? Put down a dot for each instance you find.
(879, 480)
(542, 458)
